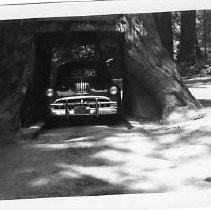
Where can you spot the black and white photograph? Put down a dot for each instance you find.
(95, 105)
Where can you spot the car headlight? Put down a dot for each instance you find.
(113, 90)
(49, 92)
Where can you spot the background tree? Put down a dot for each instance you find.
(189, 50)
(164, 26)
(203, 29)
(205, 34)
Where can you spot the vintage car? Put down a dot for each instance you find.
(83, 88)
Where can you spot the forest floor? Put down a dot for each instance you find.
(112, 159)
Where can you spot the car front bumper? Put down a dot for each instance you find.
(89, 111)
(83, 105)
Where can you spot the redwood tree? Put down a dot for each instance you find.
(153, 87)
(151, 74)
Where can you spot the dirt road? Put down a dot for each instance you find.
(103, 159)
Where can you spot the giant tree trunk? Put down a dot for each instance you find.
(151, 75)
(153, 87)
(13, 75)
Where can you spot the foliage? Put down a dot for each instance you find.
(64, 54)
(200, 69)
(176, 28)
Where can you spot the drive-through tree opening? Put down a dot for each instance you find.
(108, 45)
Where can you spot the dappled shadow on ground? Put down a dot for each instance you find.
(201, 89)
(103, 159)
(99, 160)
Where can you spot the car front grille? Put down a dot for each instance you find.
(81, 86)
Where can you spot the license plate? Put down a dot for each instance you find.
(81, 110)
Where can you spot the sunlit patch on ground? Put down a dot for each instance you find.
(200, 87)
(39, 182)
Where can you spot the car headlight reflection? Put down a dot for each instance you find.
(49, 92)
(113, 90)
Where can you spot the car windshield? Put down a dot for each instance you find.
(79, 73)
(91, 72)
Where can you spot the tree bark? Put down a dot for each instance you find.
(14, 71)
(11, 106)
(151, 74)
